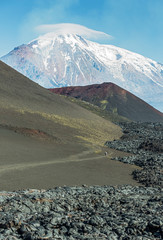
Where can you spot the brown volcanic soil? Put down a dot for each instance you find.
(34, 133)
(46, 141)
(24, 104)
(28, 163)
(110, 97)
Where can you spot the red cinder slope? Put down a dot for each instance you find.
(114, 99)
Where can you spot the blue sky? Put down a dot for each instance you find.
(136, 25)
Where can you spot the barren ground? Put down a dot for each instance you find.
(29, 163)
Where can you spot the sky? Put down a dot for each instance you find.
(136, 25)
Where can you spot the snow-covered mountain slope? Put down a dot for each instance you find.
(55, 60)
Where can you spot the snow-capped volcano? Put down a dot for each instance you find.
(55, 60)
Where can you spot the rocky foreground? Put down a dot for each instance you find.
(145, 142)
(71, 213)
(95, 212)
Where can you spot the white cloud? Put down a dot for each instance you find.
(64, 28)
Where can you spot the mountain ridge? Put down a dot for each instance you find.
(25, 104)
(112, 98)
(70, 60)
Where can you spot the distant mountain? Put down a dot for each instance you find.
(110, 97)
(56, 60)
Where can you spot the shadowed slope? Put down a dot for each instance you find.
(114, 99)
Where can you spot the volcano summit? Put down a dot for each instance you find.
(58, 60)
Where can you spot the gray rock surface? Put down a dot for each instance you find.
(145, 141)
(70, 213)
(95, 212)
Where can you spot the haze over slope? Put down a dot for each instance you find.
(116, 100)
(58, 60)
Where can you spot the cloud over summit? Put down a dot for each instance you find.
(64, 28)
